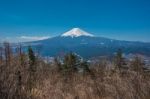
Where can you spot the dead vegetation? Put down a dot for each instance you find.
(26, 76)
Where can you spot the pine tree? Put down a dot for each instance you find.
(31, 56)
(32, 70)
(85, 66)
(70, 62)
(119, 60)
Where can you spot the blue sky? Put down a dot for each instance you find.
(36, 19)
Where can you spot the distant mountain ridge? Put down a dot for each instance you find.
(87, 45)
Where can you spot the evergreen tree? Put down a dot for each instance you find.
(32, 70)
(70, 62)
(119, 60)
(85, 66)
(31, 56)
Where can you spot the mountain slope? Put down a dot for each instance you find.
(87, 45)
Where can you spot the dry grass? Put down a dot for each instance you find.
(49, 83)
(79, 86)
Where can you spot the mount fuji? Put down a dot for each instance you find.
(76, 32)
(87, 45)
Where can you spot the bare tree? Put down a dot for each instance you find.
(137, 64)
(7, 50)
(1, 54)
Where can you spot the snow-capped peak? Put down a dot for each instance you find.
(76, 32)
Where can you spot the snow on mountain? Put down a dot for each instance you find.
(76, 32)
(86, 45)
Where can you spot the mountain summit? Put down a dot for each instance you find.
(87, 46)
(76, 32)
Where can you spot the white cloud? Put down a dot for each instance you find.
(34, 38)
(23, 38)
